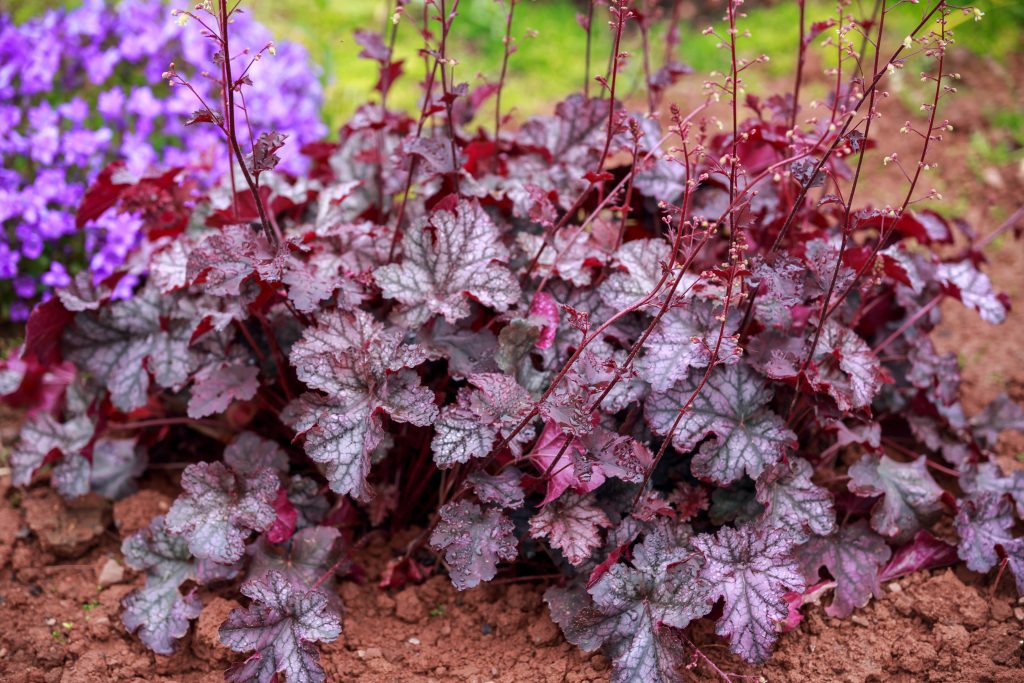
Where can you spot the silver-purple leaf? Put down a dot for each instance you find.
(793, 502)
(639, 272)
(910, 496)
(221, 507)
(456, 255)
(302, 559)
(361, 366)
(122, 343)
(279, 627)
(845, 367)
(249, 453)
(572, 524)
(474, 540)
(158, 613)
(116, 464)
(217, 385)
(503, 489)
(633, 605)
(746, 438)
(43, 434)
(974, 289)
(985, 523)
(751, 568)
(493, 407)
(1001, 414)
(853, 556)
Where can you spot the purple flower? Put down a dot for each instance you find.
(8, 261)
(111, 103)
(56, 276)
(142, 103)
(76, 111)
(19, 311)
(49, 114)
(25, 286)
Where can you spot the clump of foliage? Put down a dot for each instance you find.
(80, 88)
(669, 354)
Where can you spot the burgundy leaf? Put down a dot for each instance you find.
(853, 556)
(751, 568)
(571, 524)
(910, 496)
(923, 553)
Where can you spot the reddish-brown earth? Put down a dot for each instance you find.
(59, 624)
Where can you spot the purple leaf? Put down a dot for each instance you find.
(984, 524)
(302, 560)
(910, 497)
(747, 437)
(846, 367)
(458, 254)
(752, 568)
(41, 435)
(280, 626)
(120, 342)
(116, 464)
(503, 489)
(158, 612)
(924, 552)
(494, 405)
(972, 287)
(853, 557)
(575, 469)
(987, 477)
(220, 507)
(999, 415)
(249, 454)
(793, 502)
(633, 605)
(362, 368)
(474, 540)
(264, 153)
(572, 524)
(640, 267)
(215, 386)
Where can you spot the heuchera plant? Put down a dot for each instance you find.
(669, 353)
(80, 88)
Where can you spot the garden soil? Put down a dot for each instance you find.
(61, 581)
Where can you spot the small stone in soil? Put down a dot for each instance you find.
(35, 590)
(486, 629)
(413, 641)
(111, 573)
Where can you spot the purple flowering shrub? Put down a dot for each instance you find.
(82, 88)
(671, 359)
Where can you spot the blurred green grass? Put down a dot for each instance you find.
(550, 65)
(547, 67)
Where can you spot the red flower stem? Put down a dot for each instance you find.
(504, 71)
(823, 315)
